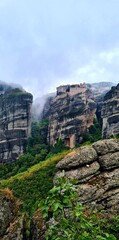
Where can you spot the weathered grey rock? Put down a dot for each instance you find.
(8, 210)
(15, 123)
(101, 191)
(106, 146)
(38, 226)
(16, 230)
(98, 180)
(81, 157)
(72, 112)
(109, 161)
(82, 173)
(12, 224)
(110, 113)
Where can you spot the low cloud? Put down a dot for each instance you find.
(44, 44)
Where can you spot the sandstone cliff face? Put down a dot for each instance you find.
(110, 113)
(72, 112)
(15, 119)
(96, 169)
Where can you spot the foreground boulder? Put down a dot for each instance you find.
(96, 169)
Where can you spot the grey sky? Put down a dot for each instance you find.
(47, 43)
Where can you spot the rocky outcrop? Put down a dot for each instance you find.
(15, 121)
(72, 113)
(110, 113)
(96, 169)
(13, 225)
(38, 226)
(10, 221)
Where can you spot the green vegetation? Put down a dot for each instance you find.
(17, 92)
(115, 137)
(33, 185)
(94, 134)
(58, 147)
(33, 188)
(71, 220)
(31, 181)
(37, 150)
(31, 176)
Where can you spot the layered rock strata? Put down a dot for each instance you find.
(15, 123)
(72, 113)
(96, 169)
(110, 113)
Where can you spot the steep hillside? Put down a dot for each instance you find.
(33, 185)
(91, 167)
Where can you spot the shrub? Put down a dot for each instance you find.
(94, 134)
(58, 147)
(70, 219)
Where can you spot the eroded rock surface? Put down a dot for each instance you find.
(72, 112)
(96, 170)
(8, 211)
(15, 123)
(80, 157)
(110, 113)
(38, 226)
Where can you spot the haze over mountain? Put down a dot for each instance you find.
(44, 44)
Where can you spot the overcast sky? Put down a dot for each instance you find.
(44, 44)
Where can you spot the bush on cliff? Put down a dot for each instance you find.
(68, 219)
(58, 147)
(37, 150)
(94, 134)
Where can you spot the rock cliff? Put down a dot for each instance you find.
(96, 169)
(99, 90)
(15, 119)
(72, 112)
(110, 113)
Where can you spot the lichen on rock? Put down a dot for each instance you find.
(97, 174)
